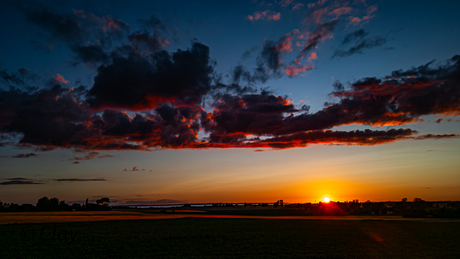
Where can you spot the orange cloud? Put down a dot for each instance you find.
(61, 79)
(312, 56)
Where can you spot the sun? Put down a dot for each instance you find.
(326, 199)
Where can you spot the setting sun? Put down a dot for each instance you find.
(326, 199)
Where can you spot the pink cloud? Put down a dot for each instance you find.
(265, 15)
(293, 70)
(370, 10)
(297, 6)
(341, 11)
(317, 4)
(355, 20)
(79, 13)
(319, 14)
(285, 3)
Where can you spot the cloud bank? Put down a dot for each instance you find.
(147, 98)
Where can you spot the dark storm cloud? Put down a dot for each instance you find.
(81, 180)
(406, 95)
(55, 118)
(220, 88)
(47, 117)
(146, 98)
(394, 100)
(179, 128)
(24, 155)
(52, 117)
(356, 137)
(153, 23)
(20, 78)
(360, 46)
(235, 117)
(146, 41)
(87, 35)
(92, 54)
(181, 77)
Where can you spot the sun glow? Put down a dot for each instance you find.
(326, 199)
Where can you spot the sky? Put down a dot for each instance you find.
(151, 102)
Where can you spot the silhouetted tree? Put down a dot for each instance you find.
(27, 207)
(64, 206)
(103, 201)
(13, 207)
(43, 204)
(54, 204)
(77, 207)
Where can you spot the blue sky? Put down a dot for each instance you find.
(192, 159)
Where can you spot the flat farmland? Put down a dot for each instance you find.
(191, 236)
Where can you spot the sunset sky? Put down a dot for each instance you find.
(151, 102)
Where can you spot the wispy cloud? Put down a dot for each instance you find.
(19, 181)
(360, 46)
(24, 155)
(134, 169)
(80, 180)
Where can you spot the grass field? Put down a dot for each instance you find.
(231, 238)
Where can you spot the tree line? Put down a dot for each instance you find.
(54, 204)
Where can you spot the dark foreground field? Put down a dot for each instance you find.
(232, 238)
